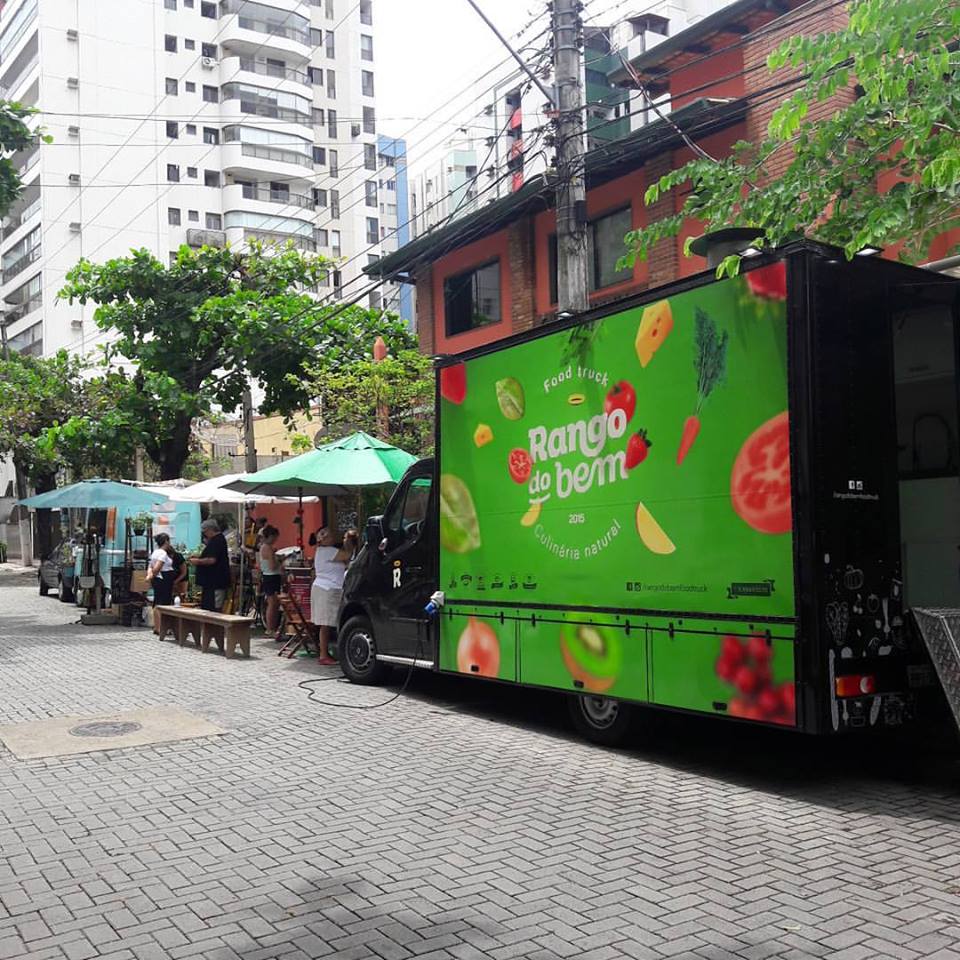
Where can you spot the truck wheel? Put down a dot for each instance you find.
(357, 651)
(600, 719)
(63, 592)
(44, 589)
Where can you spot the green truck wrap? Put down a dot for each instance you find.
(615, 512)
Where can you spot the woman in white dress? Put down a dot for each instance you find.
(329, 566)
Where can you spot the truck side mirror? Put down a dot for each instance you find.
(374, 530)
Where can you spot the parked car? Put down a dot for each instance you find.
(57, 571)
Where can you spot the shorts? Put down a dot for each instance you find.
(324, 606)
(271, 584)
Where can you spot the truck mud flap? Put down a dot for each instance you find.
(940, 630)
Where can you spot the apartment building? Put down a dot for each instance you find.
(502, 146)
(395, 221)
(184, 122)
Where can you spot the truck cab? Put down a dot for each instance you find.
(382, 619)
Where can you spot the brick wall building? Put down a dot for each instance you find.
(493, 273)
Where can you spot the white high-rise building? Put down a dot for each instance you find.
(184, 121)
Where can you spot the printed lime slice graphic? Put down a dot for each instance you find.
(510, 398)
(532, 515)
(459, 526)
(592, 655)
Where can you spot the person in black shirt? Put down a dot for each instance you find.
(213, 568)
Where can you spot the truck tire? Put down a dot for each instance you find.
(600, 719)
(357, 652)
(44, 589)
(63, 592)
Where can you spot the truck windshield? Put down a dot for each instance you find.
(410, 508)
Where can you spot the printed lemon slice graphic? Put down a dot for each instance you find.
(651, 533)
(532, 515)
(575, 399)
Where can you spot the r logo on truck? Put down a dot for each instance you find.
(396, 574)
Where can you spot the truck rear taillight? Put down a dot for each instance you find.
(856, 685)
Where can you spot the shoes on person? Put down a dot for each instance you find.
(327, 661)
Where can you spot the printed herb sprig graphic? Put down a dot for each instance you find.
(579, 343)
(710, 362)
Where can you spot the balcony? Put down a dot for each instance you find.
(257, 161)
(240, 67)
(269, 237)
(21, 263)
(18, 219)
(18, 311)
(263, 193)
(252, 31)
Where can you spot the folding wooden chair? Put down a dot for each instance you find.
(295, 627)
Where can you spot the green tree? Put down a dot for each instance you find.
(199, 330)
(396, 393)
(15, 136)
(903, 126)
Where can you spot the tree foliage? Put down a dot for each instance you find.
(901, 130)
(15, 136)
(396, 393)
(199, 330)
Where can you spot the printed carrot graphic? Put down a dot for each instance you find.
(710, 362)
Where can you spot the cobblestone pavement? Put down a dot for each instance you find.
(460, 821)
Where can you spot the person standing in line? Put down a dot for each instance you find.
(213, 568)
(160, 573)
(271, 576)
(330, 566)
(179, 572)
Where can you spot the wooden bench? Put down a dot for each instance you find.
(224, 629)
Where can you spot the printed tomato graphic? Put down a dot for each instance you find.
(760, 482)
(623, 397)
(520, 465)
(593, 656)
(746, 666)
(769, 282)
(638, 446)
(478, 650)
(453, 383)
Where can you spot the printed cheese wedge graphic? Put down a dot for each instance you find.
(655, 326)
(651, 533)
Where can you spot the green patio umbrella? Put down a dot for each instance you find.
(96, 495)
(336, 469)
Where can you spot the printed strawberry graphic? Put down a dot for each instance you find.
(637, 449)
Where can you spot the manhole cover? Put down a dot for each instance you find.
(105, 728)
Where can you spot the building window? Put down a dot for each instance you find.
(366, 47)
(211, 178)
(211, 94)
(319, 117)
(191, 129)
(315, 75)
(337, 283)
(319, 197)
(173, 216)
(369, 156)
(172, 130)
(169, 4)
(190, 86)
(366, 82)
(171, 86)
(319, 156)
(366, 12)
(211, 135)
(193, 216)
(332, 124)
(208, 10)
(192, 173)
(391, 184)
(369, 120)
(335, 204)
(209, 50)
(331, 44)
(173, 172)
(331, 84)
(328, 5)
(335, 247)
(316, 37)
(188, 4)
(373, 230)
(213, 221)
(170, 43)
(323, 238)
(371, 190)
(604, 248)
(189, 44)
(334, 163)
(472, 299)
(173, 254)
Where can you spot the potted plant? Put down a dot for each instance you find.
(140, 522)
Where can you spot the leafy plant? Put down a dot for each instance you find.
(901, 129)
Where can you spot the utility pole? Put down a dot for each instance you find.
(26, 532)
(572, 273)
(249, 441)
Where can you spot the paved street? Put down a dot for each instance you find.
(459, 821)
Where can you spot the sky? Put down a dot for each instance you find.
(428, 50)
